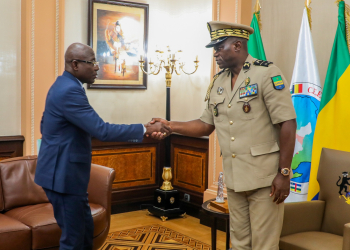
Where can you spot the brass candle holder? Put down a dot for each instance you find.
(166, 203)
(169, 62)
(167, 176)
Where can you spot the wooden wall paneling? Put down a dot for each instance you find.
(137, 165)
(133, 166)
(11, 146)
(189, 160)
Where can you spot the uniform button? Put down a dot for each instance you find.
(232, 138)
(233, 156)
(246, 99)
(229, 106)
(231, 122)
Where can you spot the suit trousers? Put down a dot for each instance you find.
(255, 221)
(73, 216)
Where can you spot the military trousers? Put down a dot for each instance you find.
(255, 221)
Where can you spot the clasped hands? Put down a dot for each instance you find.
(158, 128)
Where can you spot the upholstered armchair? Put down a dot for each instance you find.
(26, 216)
(322, 224)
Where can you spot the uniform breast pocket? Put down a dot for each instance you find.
(249, 106)
(217, 106)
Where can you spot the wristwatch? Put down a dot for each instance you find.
(285, 171)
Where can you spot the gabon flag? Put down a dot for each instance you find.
(333, 119)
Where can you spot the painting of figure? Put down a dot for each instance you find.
(118, 39)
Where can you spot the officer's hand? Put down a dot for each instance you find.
(157, 130)
(280, 188)
(165, 122)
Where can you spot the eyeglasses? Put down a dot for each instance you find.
(90, 62)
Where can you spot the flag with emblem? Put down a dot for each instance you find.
(306, 96)
(333, 120)
(255, 44)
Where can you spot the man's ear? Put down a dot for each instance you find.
(74, 65)
(238, 45)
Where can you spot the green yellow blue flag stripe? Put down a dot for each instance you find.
(333, 119)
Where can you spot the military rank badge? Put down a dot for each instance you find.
(249, 90)
(277, 82)
(220, 90)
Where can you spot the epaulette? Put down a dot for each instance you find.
(262, 63)
(212, 84)
(246, 66)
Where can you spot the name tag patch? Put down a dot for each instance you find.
(249, 90)
(277, 82)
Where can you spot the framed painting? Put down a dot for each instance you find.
(118, 33)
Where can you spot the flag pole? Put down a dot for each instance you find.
(257, 12)
(308, 10)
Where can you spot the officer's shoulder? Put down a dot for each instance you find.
(219, 73)
(266, 66)
(262, 63)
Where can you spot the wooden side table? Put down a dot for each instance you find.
(215, 214)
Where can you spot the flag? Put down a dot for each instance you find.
(333, 120)
(306, 96)
(255, 44)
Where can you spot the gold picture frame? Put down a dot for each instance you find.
(118, 33)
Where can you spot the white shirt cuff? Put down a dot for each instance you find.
(144, 129)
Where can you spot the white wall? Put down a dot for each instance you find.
(281, 20)
(181, 23)
(10, 68)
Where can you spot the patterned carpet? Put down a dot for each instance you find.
(153, 237)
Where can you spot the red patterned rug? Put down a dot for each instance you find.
(153, 237)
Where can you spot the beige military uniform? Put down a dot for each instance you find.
(249, 143)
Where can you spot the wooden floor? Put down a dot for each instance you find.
(189, 226)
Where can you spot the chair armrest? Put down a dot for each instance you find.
(346, 237)
(302, 217)
(100, 185)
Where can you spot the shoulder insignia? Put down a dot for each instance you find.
(212, 84)
(277, 82)
(246, 66)
(262, 63)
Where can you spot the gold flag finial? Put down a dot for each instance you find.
(257, 6)
(257, 12)
(347, 21)
(308, 10)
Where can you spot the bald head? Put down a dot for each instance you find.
(78, 60)
(77, 51)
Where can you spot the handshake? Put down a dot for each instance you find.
(158, 128)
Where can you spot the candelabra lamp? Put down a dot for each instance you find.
(166, 199)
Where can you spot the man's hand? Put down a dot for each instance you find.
(158, 135)
(158, 129)
(165, 122)
(280, 188)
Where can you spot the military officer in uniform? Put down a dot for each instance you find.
(249, 105)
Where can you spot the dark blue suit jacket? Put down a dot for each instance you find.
(67, 125)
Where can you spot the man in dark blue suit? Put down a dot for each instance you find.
(64, 161)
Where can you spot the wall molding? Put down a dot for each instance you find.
(236, 12)
(32, 114)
